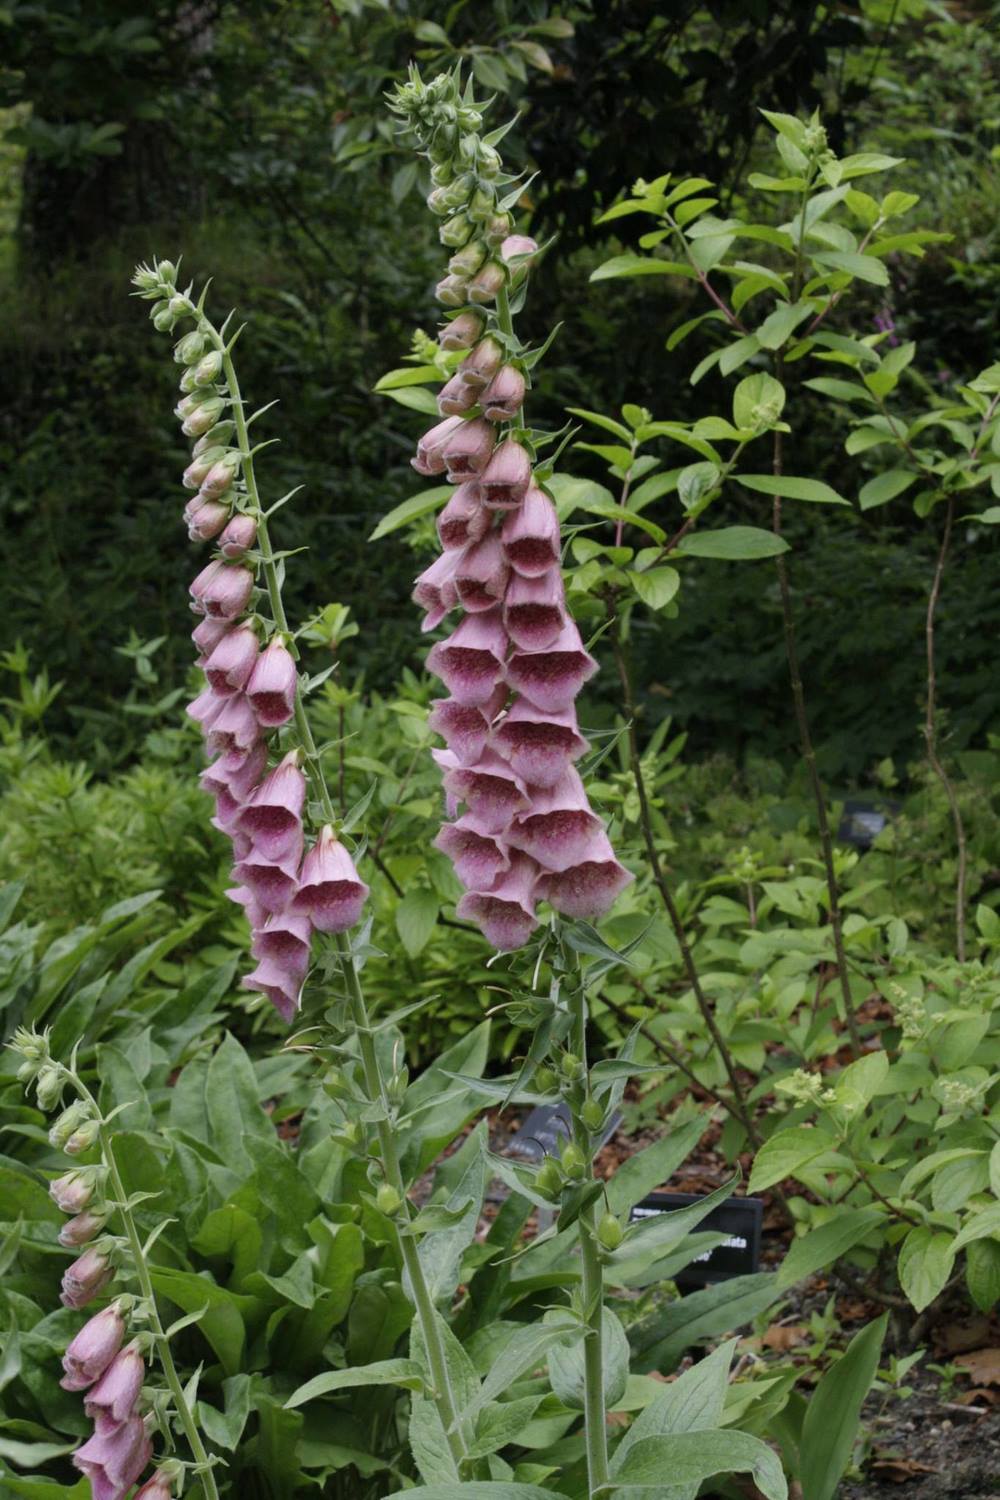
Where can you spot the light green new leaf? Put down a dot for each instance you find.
(688, 1458)
(656, 586)
(781, 324)
(416, 398)
(640, 265)
(479, 1489)
(858, 1083)
(979, 1227)
(410, 375)
(416, 916)
(885, 487)
(401, 1372)
(412, 510)
(822, 1246)
(566, 1364)
(791, 487)
(831, 1419)
(733, 544)
(924, 1265)
(652, 1167)
(758, 401)
(864, 267)
(786, 1153)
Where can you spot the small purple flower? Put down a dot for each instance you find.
(86, 1278)
(116, 1393)
(238, 537)
(114, 1457)
(271, 689)
(505, 911)
(81, 1229)
(331, 892)
(91, 1351)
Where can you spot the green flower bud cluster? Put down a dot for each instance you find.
(803, 1087)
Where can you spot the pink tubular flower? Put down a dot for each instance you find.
(467, 450)
(285, 940)
(461, 332)
(430, 448)
(463, 519)
(504, 396)
(506, 478)
(271, 688)
(236, 773)
(238, 537)
(588, 888)
(517, 245)
(456, 397)
(271, 883)
(85, 1279)
(481, 572)
(208, 633)
(551, 679)
(559, 828)
(434, 590)
(114, 1457)
(255, 913)
(73, 1191)
(539, 745)
(534, 610)
(160, 1487)
(479, 857)
(453, 291)
(92, 1350)
(227, 592)
(205, 709)
(81, 1229)
(470, 662)
(232, 661)
(204, 518)
(506, 912)
(487, 281)
(492, 791)
(331, 892)
(278, 984)
(199, 584)
(234, 727)
(531, 535)
(465, 728)
(481, 364)
(272, 818)
(115, 1394)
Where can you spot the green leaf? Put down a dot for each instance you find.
(863, 438)
(863, 162)
(982, 1273)
(834, 1410)
(758, 401)
(987, 1222)
(659, 1342)
(600, 420)
(416, 398)
(412, 510)
(779, 325)
(416, 916)
(790, 487)
(864, 267)
(689, 1458)
(409, 375)
(640, 265)
(648, 1169)
(479, 1489)
(566, 1365)
(656, 586)
(222, 1323)
(733, 544)
(401, 1372)
(925, 1261)
(822, 1246)
(840, 390)
(233, 1104)
(785, 1154)
(860, 1081)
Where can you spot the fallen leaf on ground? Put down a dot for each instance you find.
(782, 1336)
(901, 1470)
(982, 1364)
(958, 1338)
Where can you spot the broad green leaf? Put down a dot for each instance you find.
(758, 401)
(885, 487)
(650, 1239)
(921, 1170)
(982, 1273)
(925, 1262)
(864, 267)
(479, 1489)
(689, 1458)
(786, 1153)
(412, 510)
(779, 325)
(233, 1103)
(733, 544)
(691, 1403)
(820, 1247)
(860, 1081)
(987, 1222)
(656, 586)
(833, 1413)
(863, 438)
(600, 420)
(640, 265)
(410, 375)
(840, 390)
(222, 1323)
(416, 917)
(640, 1174)
(401, 1372)
(863, 162)
(566, 1365)
(791, 487)
(416, 398)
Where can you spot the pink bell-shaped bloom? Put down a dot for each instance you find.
(560, 826)
(234, 727)
(205, 709)
(492, 791)
(464, 518)
(470, 662)
(551, 679)
(219, 476)
(488, 280)
(481, 572)
(539, 744)
(284, 940)
(453, 291)
(504, 396)
(464, 727)
(588, 888)
(208, 633)
(273, 815)
(331, 892)
(456, 397)
(506, 913)
(271, 689)
(479, 857)
(481, 363)
(85, 1279)
(467, 450)
(430, 448)
(517, 245)
(238, 537)
(255, 913)
(204, 518)
(236, 773)
(160, 1487)
(461, 332)
(227, 592)
(531, 535)
(81, 1229)
(93, 1348)
(232, 661)
(534, 609)
(506, 478)
(434, 590)
(114, 1457)
(271, 883)
(278, 984)
(200, 583)
(73, 1191)
(115, 1394)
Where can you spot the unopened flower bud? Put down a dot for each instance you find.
(573, 1160)
(461, 190)
(610, 1232)
(544, 1080)
(456, 231)
(387, 1200)
(91, 1351)
(482, 205)
(218, 437)
(32, 1045)
(496, 229)
(549, 1179)
(238, 537)
(204, 518)
(592, 1114)
(442, 174)
(49, 1087)
(208, 368)
(488, 280)
(163, 320)
(504, 396)
(456, 397)
(86, 1278)
(70, 1119)
(81, 1229)
(488, 161)
(220, 475)
(481, 363)
(570, 1065)
(466, 262)
(453, 291)
(160, 1487)
(166, 271)
(82, 1138)
(203, 417)
(74, 1190)
(189, 349)
(187, 381)
(438, 203)
(462, 332)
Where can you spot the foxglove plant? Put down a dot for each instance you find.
(106, 1359)
(515, 663)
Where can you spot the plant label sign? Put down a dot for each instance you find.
(546, 1128)
(739, 1219)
